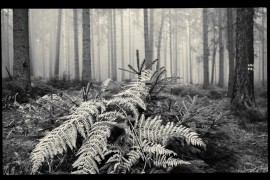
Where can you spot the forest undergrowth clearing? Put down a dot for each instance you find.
(232, 146)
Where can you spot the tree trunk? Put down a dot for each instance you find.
(21, 65)
(92, 36)
(231, 50)
(205, 49)
(146, 39)
(263, 48)
(176, 45)
(57, 54)
(76, 45)
(243, 87)
(151, 34)
(165, 49)
(98, 42)
(221, 50)
(114, 60)
(213, 57)
(171, 54)
(86, 71)
(159, 39)
(122, 45)
(190, 58)
(129, 28)
(109, 43)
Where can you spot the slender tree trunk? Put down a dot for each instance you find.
(165, 49)
(231, 50)
(243, 87)
(176, 45)
(21, 65)
(3, 41)
(8, 58)
(92, 36)
(205, 49)
(171, 53)
(213, 57)
(129, 28)
(109, 43)
(114, 60)
(151, 35)
(122, 45)
(146, 39)
(86, 71)
(159, 39)
(263, 48)
(58, 48)
(76, 45)
(221, 50)
(190, 58)
(112, 41)
(98, 41)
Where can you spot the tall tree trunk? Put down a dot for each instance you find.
(129, 28)
(21, 65)
(263, 48)
(92, 36)
(86, 71)
(109, 43)
(159, 39)
(190, 58)
(122, 45)
(205, 49)
(213, 57)
(146, 39)
(176, 45)
(58, 48)
(165, 49)
(221, 50)
(98, 41)
(171, 54)
(3, 41)
(151, 35)
(114, 60)
(231, 50)
(243, 87)
(8, 58)
(76, 45)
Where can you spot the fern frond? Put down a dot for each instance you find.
(133, 96)
(111, 115)
(164, 161)
(132, 158)
(92, 151)
(65, 135)
(126, 104)
(156, 149)
(153, 131)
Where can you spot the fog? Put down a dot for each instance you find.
(180, 41)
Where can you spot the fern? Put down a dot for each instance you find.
(140, 139)
(154, 131)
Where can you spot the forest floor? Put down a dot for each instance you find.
(239, 143)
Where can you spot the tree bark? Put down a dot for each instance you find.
(114, 60)
(231, 50)
(213, 57)
(151, 35)
(57, 54)
(76, 45)
(171, 53)
(21, 65)
(86, 71)
(263, 48)
(205, 49)
(146, 39)
(98, 42)
(109, 43)
(122, 45)
(243, 87)
(221, 50)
